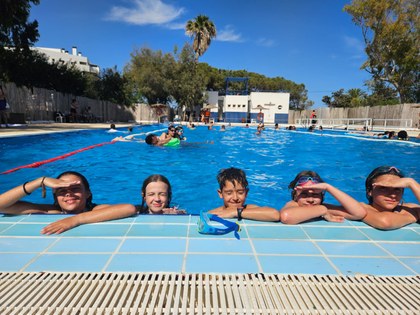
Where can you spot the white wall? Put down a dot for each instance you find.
(275, 103)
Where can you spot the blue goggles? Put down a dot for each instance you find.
(204, 226)
(304, 179)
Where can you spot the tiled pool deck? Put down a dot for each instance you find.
(173, 244)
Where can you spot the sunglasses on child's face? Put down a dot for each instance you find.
(304, 179)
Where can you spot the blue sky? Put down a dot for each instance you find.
(307, 41)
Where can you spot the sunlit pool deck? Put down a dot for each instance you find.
(171, 246)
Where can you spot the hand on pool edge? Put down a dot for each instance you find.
(60, 226)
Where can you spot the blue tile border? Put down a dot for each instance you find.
(149, 243)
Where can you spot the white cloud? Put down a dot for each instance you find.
(353, 42)
(145, 12)
(356, 46)
(266, 42)
(228, 34)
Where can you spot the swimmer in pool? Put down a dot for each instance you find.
(308, 191)
(384, 190)
(156, 195)
(72, 195)
(233, 189)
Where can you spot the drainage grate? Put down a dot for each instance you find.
(169, 293)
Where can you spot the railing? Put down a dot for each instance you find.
(340, 123)
(395, 123)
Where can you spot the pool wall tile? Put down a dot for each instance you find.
(173, 244)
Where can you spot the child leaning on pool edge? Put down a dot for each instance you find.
(156, 193)
(72, 195)
(308, 191)
(233, 189)
(384, 191)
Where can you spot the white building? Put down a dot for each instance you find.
(270, 107)
(57, 55)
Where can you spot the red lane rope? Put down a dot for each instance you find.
(38, 164)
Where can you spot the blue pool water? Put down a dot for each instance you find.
(271, 161)
(163, 243)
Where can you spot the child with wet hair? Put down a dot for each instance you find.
(72, 195)
(156, 193)
(233, 189)
(308, 191)
(384, 191)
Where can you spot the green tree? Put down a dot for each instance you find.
(15, 30)
(150, 75)
(189, 81)
(390, 31)
(338, 99)
(203, 30)
(111, 86)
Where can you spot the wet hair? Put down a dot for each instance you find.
(402, 135)
(112, 126)
(308, 173)
(151, 179)
(149, 138)
(89, 204)
(232, 175)
(379, 171)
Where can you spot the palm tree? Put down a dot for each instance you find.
(203, 31)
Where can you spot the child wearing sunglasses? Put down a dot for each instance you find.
(384, 191)
(233, 189)
(308, 190)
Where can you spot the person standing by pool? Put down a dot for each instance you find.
(384, 191)
(156, 193)
(74, 106)
(4, 110)
(72, 195)
(233, 189)
(313, 117)
(308, 192)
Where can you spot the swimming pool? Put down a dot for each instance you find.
(172, 243)
(271, 161)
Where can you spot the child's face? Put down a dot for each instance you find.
(156, 196)
(233, 194)
(308, 197)
(73, 198)
(385, 197)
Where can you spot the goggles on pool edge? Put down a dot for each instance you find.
(304, 179)
(204, 226)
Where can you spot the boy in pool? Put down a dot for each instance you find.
(308, 190)
(233, 189)
(384, 190)
(72, 195)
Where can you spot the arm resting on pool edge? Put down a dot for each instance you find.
(10, 200)
(292, 213)
(387, 220)
(98, 214)
(251, 212)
